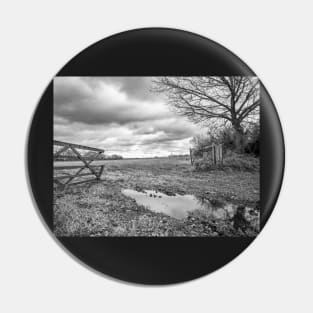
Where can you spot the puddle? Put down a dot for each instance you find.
(178, 206)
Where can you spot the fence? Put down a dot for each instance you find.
(67, 179)
(216, 151)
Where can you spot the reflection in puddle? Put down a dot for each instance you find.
(178, 206)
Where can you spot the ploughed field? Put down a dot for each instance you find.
(151, 197)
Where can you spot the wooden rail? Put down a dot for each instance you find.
(67, 179)
(66, 144)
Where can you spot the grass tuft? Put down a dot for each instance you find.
(231, 161)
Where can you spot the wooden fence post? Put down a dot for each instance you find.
(214, 154)
(205, 156)
(191, 155)
(219, 154)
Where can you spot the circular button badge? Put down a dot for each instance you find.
(155, 156)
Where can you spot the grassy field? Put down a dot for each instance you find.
(100, 209)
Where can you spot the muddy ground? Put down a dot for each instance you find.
(100, 209)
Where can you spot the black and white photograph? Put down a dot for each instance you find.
(156, 156)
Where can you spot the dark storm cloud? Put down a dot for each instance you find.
(166, 130)
(93, 101)
(134, 86)
(119, 114)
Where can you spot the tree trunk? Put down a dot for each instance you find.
(239, 137)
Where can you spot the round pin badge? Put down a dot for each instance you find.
(155, 156)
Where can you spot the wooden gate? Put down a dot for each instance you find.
(66, 179)
(216, 154)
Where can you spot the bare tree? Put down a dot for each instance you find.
(221, 100)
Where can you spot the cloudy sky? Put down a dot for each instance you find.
(120, 115)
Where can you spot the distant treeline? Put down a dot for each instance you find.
(178, 156)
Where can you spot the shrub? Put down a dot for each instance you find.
(248, 142)
(232, 160)
(242, 162)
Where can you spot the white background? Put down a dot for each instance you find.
(274, 38)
